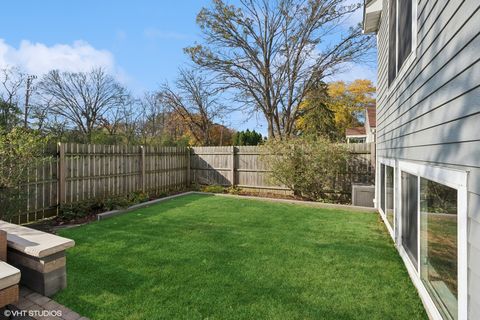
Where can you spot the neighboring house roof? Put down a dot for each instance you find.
(372, 117)
(372, 10)
(358, 131)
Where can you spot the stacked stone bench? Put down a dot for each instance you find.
(39, 256)
(9, 276)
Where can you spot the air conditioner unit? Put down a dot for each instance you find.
(363, 195)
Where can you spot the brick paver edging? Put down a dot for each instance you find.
(40, 308)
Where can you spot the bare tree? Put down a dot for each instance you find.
(153, 116)
(11, 84)
(131, 115)
(124, 120)
(12, 81)
(82, 99)
(274, 52)
(196, 100)
(39, 113)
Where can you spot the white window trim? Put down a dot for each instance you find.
(413, 54)
(391, 163)
(427, 300)
(458, 180)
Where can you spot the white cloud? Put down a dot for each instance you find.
(38, 58)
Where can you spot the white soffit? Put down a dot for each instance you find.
(371, 15)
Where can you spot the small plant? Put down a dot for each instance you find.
(82, 209)
(233, 190)
(139, 197)
(116, 202)
(77, 210)
(195, 186)
(213, 189)
(158, 195)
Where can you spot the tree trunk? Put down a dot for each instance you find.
(271, 133)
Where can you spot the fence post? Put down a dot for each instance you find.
(189, 150)
(61, 173)
(142, 163)
(233, 167)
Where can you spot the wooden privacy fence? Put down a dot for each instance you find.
(77, 172)
(99, 171)
(226, 166)
(243, 167)
(40, 189)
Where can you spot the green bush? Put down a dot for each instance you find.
(20, 151)
(307, 165)
(213, 189)
(82, 209)
(139, 197)
(116, 202)
(233, 190)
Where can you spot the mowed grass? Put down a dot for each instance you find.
(207, 257)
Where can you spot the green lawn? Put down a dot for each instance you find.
(198, 257)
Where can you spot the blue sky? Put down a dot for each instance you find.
(145, 37)
(139, 41)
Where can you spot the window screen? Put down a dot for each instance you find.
(392, 41)
(404, 31)
(410, 216)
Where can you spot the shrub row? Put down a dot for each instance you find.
(82, 209)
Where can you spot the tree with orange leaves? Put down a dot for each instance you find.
(330, 109)
(349, 100)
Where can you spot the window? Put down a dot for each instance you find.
(438, 250)
(405, 31)
(401, 35)
(433, 236)
(386, 192)
(382, 187)
(389, 192)
(392, 41)
(356, 140)
(410, 216)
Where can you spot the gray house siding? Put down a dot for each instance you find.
(431, 113)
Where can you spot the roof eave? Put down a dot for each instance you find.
(372, 11)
